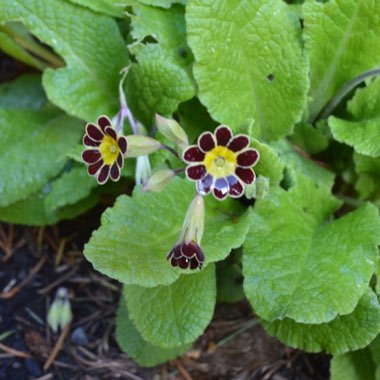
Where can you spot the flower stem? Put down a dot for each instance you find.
(343, 91)
(171, 150)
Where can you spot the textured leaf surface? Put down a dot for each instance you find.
(344, 333)
(32, 149)
(24, 92)
(131, 341)
(113, 8)
(299, 166)
(363, 131)
(138, 232)
(94, 52)
(334, 33)
(357, 365)
(173, 315)
(264, 79)
(162, 77)
(368, 183)
(297, 265)
(162, 3)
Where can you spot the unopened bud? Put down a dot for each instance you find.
(159, 180)
(59, 314)
(193, 225)
(172, 131)
(143, 170)
(139, 145)
(259, 189)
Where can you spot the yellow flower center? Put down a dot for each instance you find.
(220, 162)
(109, 150)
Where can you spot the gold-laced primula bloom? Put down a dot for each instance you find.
(221, 163)
(105, 150)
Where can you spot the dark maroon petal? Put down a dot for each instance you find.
(90, 156)
(103, 174)
(94, 132)
(206, 141)
(183, 262)
(111, 132)
(195, 172)
(189, 250)
(92, 169)
(248, 158)
(204, 185)
(193, 154)
(174, 262)
(122, 142)
(104, 122)
(194, 264)
(238, 143)
(219, 195)
(120, 161)
(221, 188)
(115, 172)
(236, 188)
(247, 175)
(88, 142)
(223, 135)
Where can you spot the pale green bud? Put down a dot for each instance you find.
(259, 189)
(143, 171)
(60, 314)
(172, 131)
(139, 145)
(159, 180)
(193, 225)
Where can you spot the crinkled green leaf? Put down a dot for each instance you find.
(363, 131)
(356, 365)
(32, 149)
(368, 183)
(161, 78)
(91, 46)
(113, 8)
(62, 193)
(173, 315)
(137, 233)
(340, 36)
(24, 92)
(249, 63)
(299, 165)
(33, 211)
(298, 265)
(162, 3)
(344, 333)
(311, 140)
(131, 341)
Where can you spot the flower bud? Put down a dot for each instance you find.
(59, 314)
(259, 189)
(159, 180)
(139, 145)
(172, 131)
(143, 171)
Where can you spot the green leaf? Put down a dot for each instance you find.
(310, 139)
(24, 92)
(177, 314)
(131, 341)
(363, 131)
(32, 150)
(264, 81)
(137, 233)
(114, 8)
(62, 193)
(162, 77)
(334, 33)
(344, 333)
(299, 165)
(162, 3)
(297, 265)
(368, 183)
(357, 365)
(94, 52)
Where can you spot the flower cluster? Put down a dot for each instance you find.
(220, 163)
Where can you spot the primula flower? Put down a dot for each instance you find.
(105, 150)
(187, 253)
(221, 163)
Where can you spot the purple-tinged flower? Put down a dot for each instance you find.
(221, 163)
(187, 253)
(105, 150)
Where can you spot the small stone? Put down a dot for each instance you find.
(79, 337)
